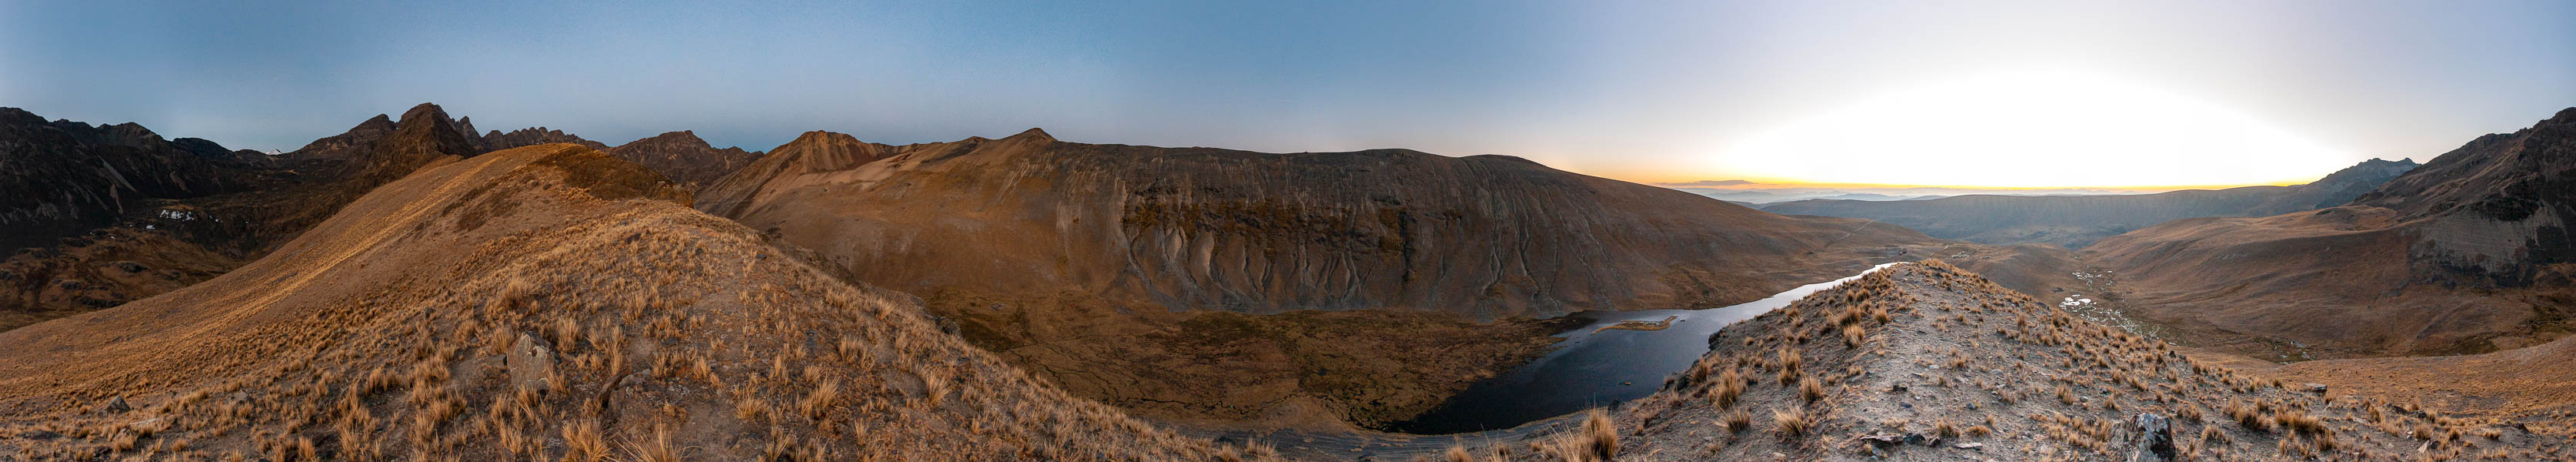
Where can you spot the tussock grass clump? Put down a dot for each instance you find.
(1792, 422)
(1737, 421)
(1601, 439)
(1789, 361)
(1727, 390)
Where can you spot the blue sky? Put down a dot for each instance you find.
(1645, 91)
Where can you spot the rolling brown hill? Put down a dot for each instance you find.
(1928, 362)
(2466, 254)
(1221, 286)
(162, 215)
(545, 303)
(2073, 222)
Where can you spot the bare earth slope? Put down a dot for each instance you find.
(2466, 254)
(2073, 222)
(1927, 362)
(1133, 274)
(542, 303)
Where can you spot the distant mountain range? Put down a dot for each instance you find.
(1757, 194)
(2075, 221)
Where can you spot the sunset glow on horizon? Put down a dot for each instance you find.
(2030, 129)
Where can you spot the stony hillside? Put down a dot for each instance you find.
(2073, 222)
(541, 303)
(1174, 281)
(1928, 362)
(2467, 254)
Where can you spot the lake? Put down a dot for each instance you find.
(1594, 368)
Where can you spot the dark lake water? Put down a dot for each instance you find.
(1593, 369)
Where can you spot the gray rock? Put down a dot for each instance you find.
(2155, 439)
(2316, 388)
(116, 405)
(531, 360)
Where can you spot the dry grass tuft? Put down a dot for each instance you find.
(1601, 439)
(1729, 388)
(1792, 422)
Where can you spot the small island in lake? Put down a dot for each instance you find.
(1640, 325)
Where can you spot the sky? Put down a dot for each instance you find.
(1965, 93)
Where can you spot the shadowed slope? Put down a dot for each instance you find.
(544, 302)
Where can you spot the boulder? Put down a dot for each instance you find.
(531, 361)
(2155, 439)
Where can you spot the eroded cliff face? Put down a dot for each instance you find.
(1201, 228)
(2493, 213)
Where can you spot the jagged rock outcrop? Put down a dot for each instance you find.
(2468, 253)
(531, 136)
(685, 158)
(2073, 222)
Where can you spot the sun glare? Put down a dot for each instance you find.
(2029, 129)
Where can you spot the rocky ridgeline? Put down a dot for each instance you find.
(1928, 362)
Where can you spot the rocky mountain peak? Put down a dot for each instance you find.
(427, 111)
(1033, 133)
(823, 151)
(683, 138)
